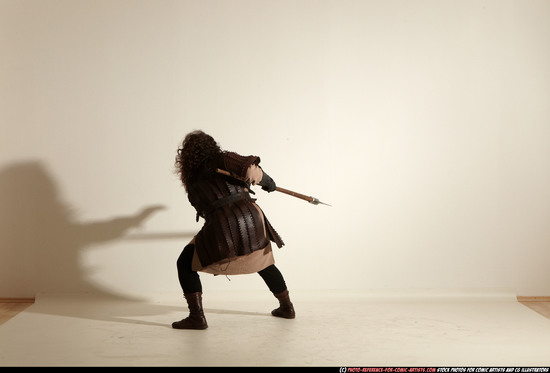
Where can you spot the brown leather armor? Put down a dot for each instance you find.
(233, 225)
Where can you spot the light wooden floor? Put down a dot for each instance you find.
(537, 304)
(11, 307)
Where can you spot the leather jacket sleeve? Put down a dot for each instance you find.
(238, 164)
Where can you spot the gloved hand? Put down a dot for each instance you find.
(267, 183)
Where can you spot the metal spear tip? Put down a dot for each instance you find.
(315, 201)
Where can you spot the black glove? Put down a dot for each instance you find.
(267, 183)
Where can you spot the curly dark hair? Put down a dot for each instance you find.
(196, 149)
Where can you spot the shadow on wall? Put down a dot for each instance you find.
(40, 241)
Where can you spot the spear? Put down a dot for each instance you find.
(312, 200)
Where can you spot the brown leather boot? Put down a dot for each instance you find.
(196, 319)
(286, 309)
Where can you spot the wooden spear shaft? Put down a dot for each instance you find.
(297, 195)
(310, 199)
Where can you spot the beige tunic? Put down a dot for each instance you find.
(251, 263)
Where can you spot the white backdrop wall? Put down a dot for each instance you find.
(425, 124)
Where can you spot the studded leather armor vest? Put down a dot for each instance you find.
(233, 224)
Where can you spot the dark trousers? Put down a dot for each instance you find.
(190, 281)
